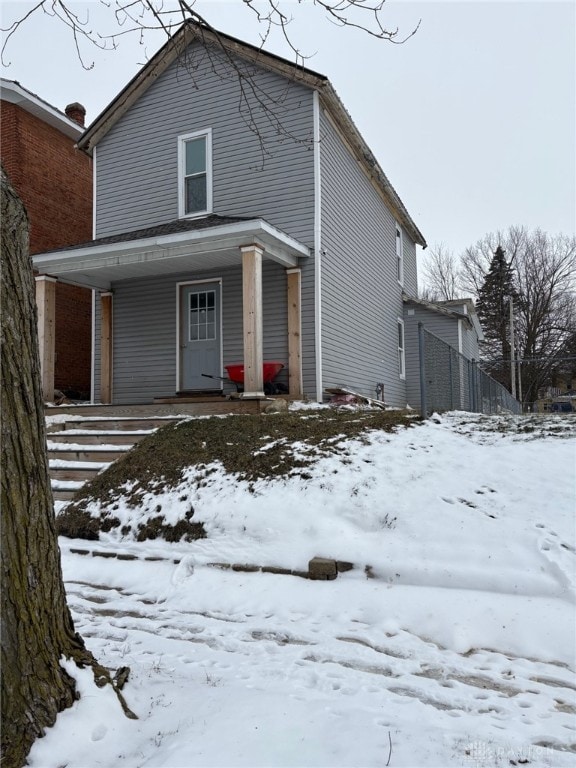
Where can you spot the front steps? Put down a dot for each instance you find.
(85, 439)
(79, 448)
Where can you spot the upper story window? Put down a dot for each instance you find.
(399, 255)
(195, 173)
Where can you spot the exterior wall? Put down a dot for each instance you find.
(361, 296)
(73, 340)
(444, 327)
(470, 348)
(410, 267)
(145, 341)
(260, 175)
(54, 181)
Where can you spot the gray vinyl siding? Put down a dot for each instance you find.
(410, 266)
(265, 174)
(361, 296)
(145, 328)
(446, 328)
(259, 174)
(443, 326)
(469, 342)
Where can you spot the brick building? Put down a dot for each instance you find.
(54, 181)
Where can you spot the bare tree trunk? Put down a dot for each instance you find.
(37, 628)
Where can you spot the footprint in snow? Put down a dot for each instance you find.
(99, 732)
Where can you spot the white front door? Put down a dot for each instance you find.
(200, 337)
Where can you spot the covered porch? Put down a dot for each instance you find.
(178, 302)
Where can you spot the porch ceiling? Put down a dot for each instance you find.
(98, 265)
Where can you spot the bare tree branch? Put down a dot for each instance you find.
(544, 273)
(141, 16)
(441, 274)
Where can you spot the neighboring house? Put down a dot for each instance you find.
(54, 181)
(239, 217)
(565, 403)
(558, 399)
(454, 322)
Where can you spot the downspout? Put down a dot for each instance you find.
(317, 249)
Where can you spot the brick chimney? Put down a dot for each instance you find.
(76, 112)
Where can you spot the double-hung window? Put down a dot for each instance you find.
(195, 173)
(401, 350)
(399, 255)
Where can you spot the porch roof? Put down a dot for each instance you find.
(177, 246)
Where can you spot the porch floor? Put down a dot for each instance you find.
(169, 406)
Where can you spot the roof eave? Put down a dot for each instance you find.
(440, 310)
(14, 93)
(191, 31)
(187, 33)
(278, 246)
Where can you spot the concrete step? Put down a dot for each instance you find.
(120, 424)
(172, 406)
(64, 490)
(76, 470)
(80, 448)
(60, 495)
(97, 437)
(96, 453)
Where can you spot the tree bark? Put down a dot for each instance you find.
(37, 628)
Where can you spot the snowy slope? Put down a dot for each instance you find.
(451, 642)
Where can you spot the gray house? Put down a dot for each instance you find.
(239, 218)
(455, 323)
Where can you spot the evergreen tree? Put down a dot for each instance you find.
(493, 308)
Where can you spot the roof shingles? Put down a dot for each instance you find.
(170, 228)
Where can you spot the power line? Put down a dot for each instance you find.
(500, 360)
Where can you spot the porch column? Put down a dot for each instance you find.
(46, 305)
(252, 320)
(106, 347)
(294, 282)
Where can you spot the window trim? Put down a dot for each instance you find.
(399, 256)
(207, 134)
(401, 350)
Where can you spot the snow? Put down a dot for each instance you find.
(62, 464)
(64, 418)
(92, 432)
(66, 485)
(450, 643)
(89, 448)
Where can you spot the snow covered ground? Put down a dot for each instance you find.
(451, 642)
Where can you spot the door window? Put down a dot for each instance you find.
(202, 316)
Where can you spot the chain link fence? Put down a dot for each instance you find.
(451, 382)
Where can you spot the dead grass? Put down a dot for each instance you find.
(251, 447)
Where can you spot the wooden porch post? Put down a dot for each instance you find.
(252, 320)
(106, 348)
(46, 305)
(294, 282)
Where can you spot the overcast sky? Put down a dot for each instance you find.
(473, 119)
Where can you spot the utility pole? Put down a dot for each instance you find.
(512, 361)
